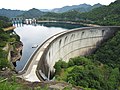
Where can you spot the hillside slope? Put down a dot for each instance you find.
(100, 71)
(10, 13)
(80, 8)
(105, 15)
(32, 13)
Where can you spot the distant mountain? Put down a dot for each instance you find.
(87, 9)
(96, 5)
(81, 8)
(36, 13)
(105, 15)
(32, 13)
(10, 13)
(45, 10)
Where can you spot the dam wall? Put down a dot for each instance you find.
(72, 43)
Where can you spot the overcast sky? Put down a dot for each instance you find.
(46, 4)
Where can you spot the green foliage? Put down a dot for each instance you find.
(80, 8)
(59, 65)
(4, 22)
(8, 86)
(32, 13)
(113, 79)
(4, 63)
(3, 18)
(109, 52)
(13, 83)
(3, 59)
(104, 15)
(88, 74)
(85, 77)
(99, 71)
(5, 38)
(10, 13)
(67, 16)
(78, 61)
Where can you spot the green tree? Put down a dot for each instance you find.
(59, 65)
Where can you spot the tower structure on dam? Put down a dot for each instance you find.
(19, 21)
(30, 21)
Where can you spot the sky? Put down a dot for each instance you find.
(46, 4)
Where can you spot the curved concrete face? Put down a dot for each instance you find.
(64, 45)
(70, 44)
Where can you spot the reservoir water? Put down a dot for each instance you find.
(31, 35)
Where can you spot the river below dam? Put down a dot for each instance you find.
(34, 35)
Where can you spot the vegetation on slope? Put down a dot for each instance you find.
(6, 38)
(66, 16)
(99, 71)
(32, 13)
(4, 22)
(109, 52)
(80, 8)
(104, 15)
(10, 13)
(10, 82)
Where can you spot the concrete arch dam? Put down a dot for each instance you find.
(64, 45)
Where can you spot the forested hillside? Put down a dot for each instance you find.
(100, 71)
(4, 22)
(80, 8)
(32, 13)
(6, 38)
(67, 16)
(10, 13)
(104, 15)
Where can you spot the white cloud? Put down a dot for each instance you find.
(46, 4)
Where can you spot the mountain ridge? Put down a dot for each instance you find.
(82, 8)
(14, 13)
(10, 13)
(32, 13)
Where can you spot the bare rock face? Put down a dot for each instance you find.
(16, 51)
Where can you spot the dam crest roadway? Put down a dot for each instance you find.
(64, 45)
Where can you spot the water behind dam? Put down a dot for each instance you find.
(32, 36)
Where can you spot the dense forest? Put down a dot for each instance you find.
(32, 13)
(36, 13)
(4, 36)
(99, 71)
(4, 22)
(10, 13)
(6, 39)
(104, 15)
(80, 8)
